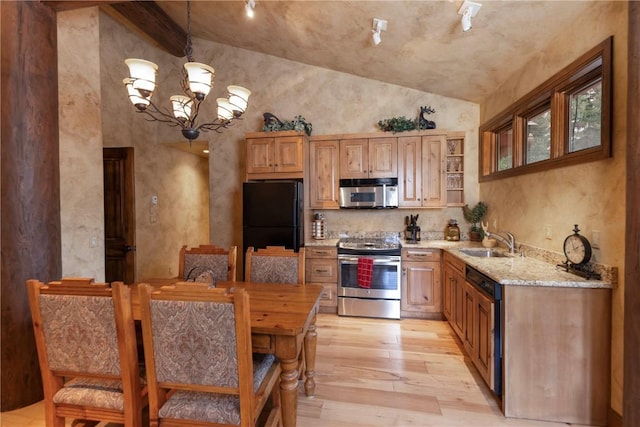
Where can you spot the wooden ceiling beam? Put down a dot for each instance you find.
(145, 16)
(62, 5)
(149, 18)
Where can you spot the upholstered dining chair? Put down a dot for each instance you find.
(274, 264)
(86, 345)
(207, 263)
(199, 362)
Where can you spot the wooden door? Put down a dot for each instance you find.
(288, 154)
(119, 215)
(323, 174)
(410, 171)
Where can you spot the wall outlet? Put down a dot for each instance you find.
(595, 239)
(154, 200)
(548, 232)
(93, 242)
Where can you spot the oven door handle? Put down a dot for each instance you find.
(376, 260)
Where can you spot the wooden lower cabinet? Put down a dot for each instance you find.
(453, 293)
(557, 345)
(478, 331)
(321, 268)
(484, 325)
(470, 314)
(421, 288)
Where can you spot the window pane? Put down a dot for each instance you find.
(585, 117)
(539, 137)
(504, 149)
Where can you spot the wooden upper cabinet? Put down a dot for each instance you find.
(421, 173)
(288, 154)
(354, 158)
(275, 155)
(434, 186)
(260, 156)
(369, 158)
(323, 174)
(410, 171)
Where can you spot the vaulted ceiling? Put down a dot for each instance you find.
(423, 47)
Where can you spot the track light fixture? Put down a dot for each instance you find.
(379, 25)
(249, 6)
(468, 10)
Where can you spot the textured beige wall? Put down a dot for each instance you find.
(81, 190)
(592, 194)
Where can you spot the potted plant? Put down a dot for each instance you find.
(475, 216)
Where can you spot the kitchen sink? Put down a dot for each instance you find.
(483, 253)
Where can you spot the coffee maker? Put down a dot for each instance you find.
(412, 231)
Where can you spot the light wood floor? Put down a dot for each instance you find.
(374, 372)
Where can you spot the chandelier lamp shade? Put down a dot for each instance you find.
(196, 83)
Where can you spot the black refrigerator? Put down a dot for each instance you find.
(272, 214)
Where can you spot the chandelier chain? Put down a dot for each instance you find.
(188, 49)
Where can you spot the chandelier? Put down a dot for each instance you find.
(196, 82)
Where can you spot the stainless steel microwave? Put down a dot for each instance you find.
(375, 193)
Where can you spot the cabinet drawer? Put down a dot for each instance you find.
(321, 270)
(454, 262)
(417, 255)
(321, 252)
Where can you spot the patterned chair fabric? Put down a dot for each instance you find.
(194, 343)
(274, 269)
(87, 327)
(275, 264)
(79, 345)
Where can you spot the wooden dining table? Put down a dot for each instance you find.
(283, 320)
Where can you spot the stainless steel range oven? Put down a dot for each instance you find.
(381, 296)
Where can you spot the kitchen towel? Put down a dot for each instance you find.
(365, 272)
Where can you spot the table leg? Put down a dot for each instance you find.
(288, 391)
(310, 340)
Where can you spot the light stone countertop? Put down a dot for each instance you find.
(527, 271)
(516, 270)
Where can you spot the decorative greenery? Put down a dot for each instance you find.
(475, 215)
(273, 124)
(401, 124)
(398, 124)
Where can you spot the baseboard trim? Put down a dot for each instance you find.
(615, 419)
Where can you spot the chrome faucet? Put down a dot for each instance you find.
(510, 241)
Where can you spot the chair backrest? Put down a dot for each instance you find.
(198, 263)
(85, 331)
(198, 339)
(274, 264)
